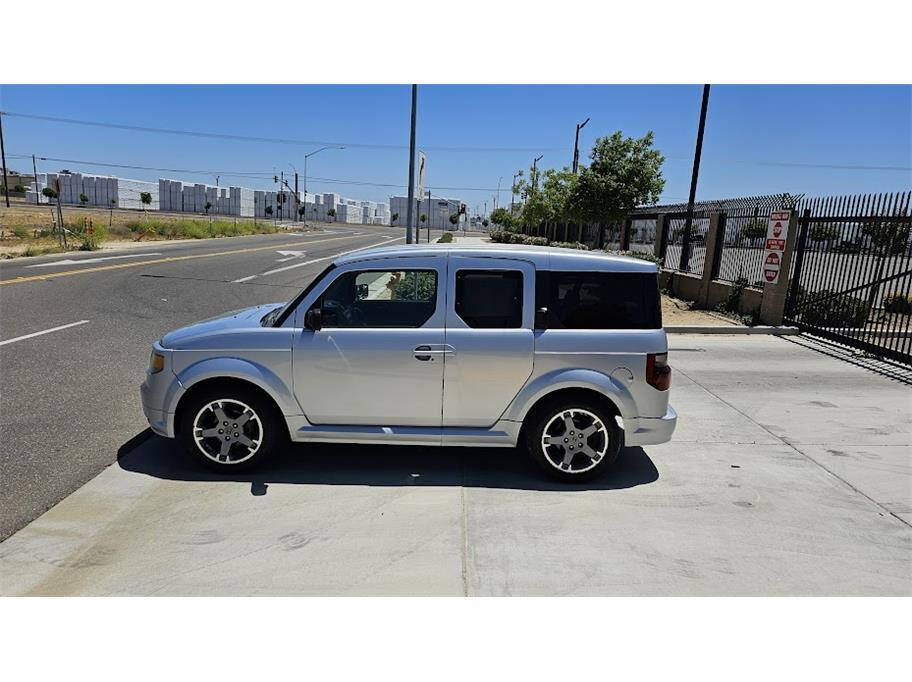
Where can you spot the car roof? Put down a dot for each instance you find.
(544, 257)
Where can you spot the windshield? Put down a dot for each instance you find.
(281, 314)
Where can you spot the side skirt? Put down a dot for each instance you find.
(503, 434)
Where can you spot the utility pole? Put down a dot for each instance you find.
(533, 181)
(429, 217)
(513, 193)
(297, 199)
(579, 126)
(498, 192)
(3, 155)
(35, 173)
(411, 183)
(688, 223)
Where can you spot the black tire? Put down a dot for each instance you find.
(265, 429)
(583, 467)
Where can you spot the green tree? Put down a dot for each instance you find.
(332, 214)
(301, 211)
(484, 223)
(502, 217)
(49, 193)
(423, 217)
(454, 219)
(145, 199)
(207, 207)
(755, 228)
(394, 218)
(83, 199)
(268, 210)
(824, 232)
(624, 172)
(19, 188)
(888, 236)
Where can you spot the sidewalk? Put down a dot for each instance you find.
(789, 474)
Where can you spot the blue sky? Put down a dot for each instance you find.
(836, 125)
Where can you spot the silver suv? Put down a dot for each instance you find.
(493, 346)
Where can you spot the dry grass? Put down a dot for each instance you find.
(25, 229)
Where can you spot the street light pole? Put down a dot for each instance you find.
(307, 156)
(533, 181)
(411, 183)
(3, 155)
(688, 223)
(579, 126)
(513, 193)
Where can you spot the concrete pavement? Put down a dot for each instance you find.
(789, 474)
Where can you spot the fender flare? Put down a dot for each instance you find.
(559, 379)
(235, 368)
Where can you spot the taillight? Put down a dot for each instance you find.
(658, 371)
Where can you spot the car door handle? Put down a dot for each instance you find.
(425, 352)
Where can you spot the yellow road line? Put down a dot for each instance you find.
(170, 259)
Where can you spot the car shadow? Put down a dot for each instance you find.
(380, 465)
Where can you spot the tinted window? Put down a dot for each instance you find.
(488, 299)
(598, 300)
(380, 298)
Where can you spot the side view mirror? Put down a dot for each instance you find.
(313, 319)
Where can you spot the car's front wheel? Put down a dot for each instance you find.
(573, 440)
(227, 429)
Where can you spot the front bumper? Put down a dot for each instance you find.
(650, 431)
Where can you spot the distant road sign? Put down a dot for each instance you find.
(422, 167)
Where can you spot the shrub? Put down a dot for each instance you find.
(19, 188)
(446, 238)
(93, 237)
(20, 231)
(499, 236)
(570, 245)
(826, 308)
(897, 303)
(732, 302)
(641, 255)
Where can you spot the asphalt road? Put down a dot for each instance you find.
(69, 398)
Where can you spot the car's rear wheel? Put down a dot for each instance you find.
(228, 429)
(573, 440)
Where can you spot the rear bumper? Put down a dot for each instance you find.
(650, 431)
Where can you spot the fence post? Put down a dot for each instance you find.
(772, 305)
(715, 237)
(801, 245)
(658, 248)
(625, 234)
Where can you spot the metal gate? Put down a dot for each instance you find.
(852, 273)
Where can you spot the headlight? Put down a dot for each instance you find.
(156, 363)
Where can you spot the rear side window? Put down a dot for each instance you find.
(597, 300)
(490, 299)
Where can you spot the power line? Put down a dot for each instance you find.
(253, 175)
(273, 140)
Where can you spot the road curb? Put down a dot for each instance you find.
(731, 329)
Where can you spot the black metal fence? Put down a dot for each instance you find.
(851, 279)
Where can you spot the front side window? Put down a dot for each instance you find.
(380, 298)
(597, 300)
(490, 299)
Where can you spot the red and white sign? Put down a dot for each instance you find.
(776, 236)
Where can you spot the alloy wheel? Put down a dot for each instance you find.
(574, 440)
(227, 431)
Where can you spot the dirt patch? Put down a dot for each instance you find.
(678, 312)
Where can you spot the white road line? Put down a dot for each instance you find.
(46, 331)
(85, 261)
(311, 262)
